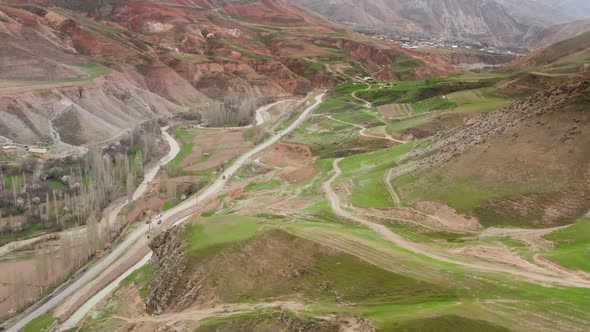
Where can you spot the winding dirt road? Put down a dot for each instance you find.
(550, 278)
(367, 104)
(363, 129)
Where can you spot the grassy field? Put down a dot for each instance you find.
(252, 260)
(169, 204)
(367, 171)
(572, 246)
(511, 179)
(219, 231)
(139, 278)
(448, 323)
(330, 266)
(39, 324)
(254, 186)
(184, 135)
(182, 154)
(322, 272)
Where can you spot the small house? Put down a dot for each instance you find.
(40, 153)
(9, 148)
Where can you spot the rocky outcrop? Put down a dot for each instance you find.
(478, 129)
(169, 266)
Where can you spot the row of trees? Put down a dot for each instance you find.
(79, 188)
(237, 109)
(88, 185)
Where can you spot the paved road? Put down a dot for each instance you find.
(210, 192)
(386, 233)
(86, 307)
(122, 248)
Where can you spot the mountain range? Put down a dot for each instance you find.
(65, 63)
(497, 22)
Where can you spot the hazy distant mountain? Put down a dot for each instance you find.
(507, 22)
(574, 8)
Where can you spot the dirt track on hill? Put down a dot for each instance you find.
(363, 129)
(550, 277)
(367, 104)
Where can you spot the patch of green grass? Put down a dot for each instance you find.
(39, 324)
(367, 170)
(400, 125)
(317, 274)
(447, 323)
(140, 278)
(184, 151)
(572, 246)
(208, 213)
(385, 286)
(250, 134)
(16, 258)
(339, 99)
(467, 194)
(203, 172)
(416, 91)
(218, 231)
(55, 185)
(253, 186)
(278, 320)
(86, 180)
(29, 230)
(169, 204)
(432, 104)
(94, 70)
(477, 100)
(16, 180)
(134, 150)
(182, 134)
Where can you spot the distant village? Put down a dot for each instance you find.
(413, 40)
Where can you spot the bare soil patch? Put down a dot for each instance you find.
(296, 159)
(221, 145)
(23, 280)
(396, 110)
(278, 205)
(498, 255)
(447, 216)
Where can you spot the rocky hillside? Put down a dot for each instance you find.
(74, 72)
(500, 22)
(557, 33)
(531, 159)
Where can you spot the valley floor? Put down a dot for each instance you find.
(353, 221)
(319, 233)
